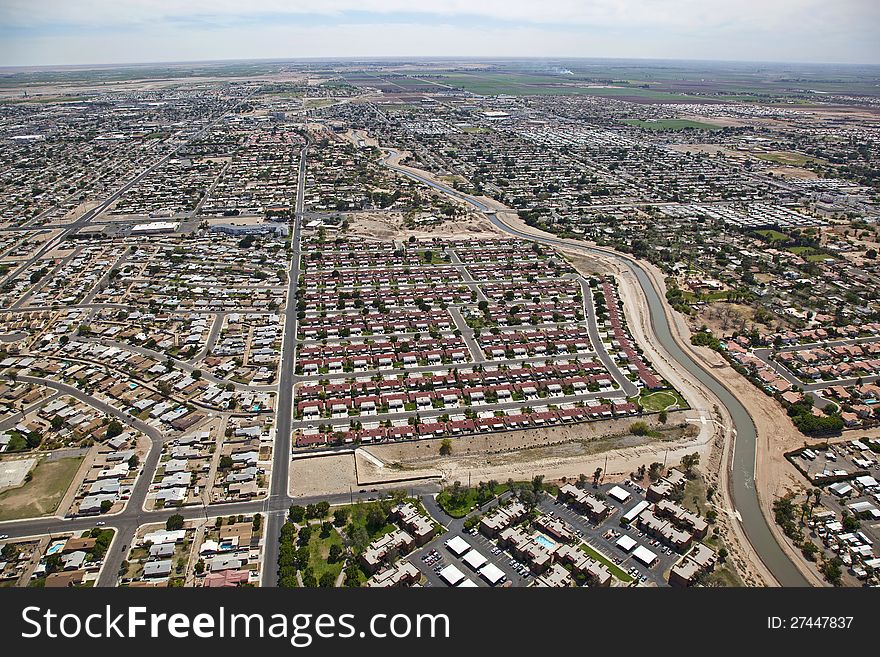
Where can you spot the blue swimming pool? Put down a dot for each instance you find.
(546, 542)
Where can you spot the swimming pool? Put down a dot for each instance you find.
(55, 548)
(546, 542)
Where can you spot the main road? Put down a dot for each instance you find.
(279, 483)
(743, 489)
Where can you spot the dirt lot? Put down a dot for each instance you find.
(322, 475)
(390, 226)
(556, 452)
(42, 494)
(723, 317)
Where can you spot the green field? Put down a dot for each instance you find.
(672, 124)
(467, 505)
(41, 495)
(616, 570)
(808, 253)
(661, 400)
(773, 235)
(523, 84)
(358, 516)
(319, 549)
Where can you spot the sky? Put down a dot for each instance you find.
(67, 32)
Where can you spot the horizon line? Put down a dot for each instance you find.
(404, 59)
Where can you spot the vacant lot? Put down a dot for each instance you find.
(41, 495)
(789, 157)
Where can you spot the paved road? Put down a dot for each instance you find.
(281, 456)
(630, 388)
(743, 487)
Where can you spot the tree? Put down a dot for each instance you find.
(174, 522)
(597, 476)
(445, 447)
(114, 429)
(133, 461)
(640, 429)
(34, 439)
(663, 416)
(340, 517)
(258, 522)
(358, 537)
(335, 553)
(200, 566)
(582, 481)
(689, 462)
(106, 505)
(722, 554)
(655, 471)
(297, 513)
(309, 580)
(375, 519)
(327, 580)
(197, 374)
(226, 462)
(537, 483)
(10, 552)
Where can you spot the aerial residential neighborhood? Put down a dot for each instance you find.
(436, 322)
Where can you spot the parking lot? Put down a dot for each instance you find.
(602, 537)
(434, 556)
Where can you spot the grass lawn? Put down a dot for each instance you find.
(619, 573)
(660, 401)
(695, 488)
(358, 516)
(773, 235)
(672, 124)
(468, 503)
(808, 253)
(41, 495)
(319, 549)
(525, 84)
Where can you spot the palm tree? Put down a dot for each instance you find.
(806, 509)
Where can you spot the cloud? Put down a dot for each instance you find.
(43, 31)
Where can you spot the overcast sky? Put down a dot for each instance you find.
(48, 32)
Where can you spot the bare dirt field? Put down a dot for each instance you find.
(390, 225)
(322, 475)
(42, 494)
(556, 452)
(723, 317)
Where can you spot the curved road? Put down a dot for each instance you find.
(744, 492)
